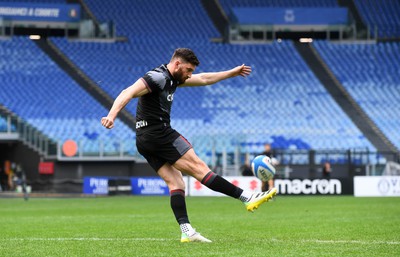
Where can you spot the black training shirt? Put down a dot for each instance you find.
(154, 108)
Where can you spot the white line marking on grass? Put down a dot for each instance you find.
(316, 241)
(350, 242)
(84, 239)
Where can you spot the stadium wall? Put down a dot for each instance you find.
(338, 171)
(19, 153)
(68, 176)
(78, 170)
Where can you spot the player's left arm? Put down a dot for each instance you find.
(208, 78)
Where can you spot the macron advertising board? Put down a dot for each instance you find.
(284, 186)
(314, 186)
(156, 186)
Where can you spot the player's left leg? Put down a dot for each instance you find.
(174, 180)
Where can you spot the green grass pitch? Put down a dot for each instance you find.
(145, 226)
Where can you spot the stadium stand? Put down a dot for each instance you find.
(145, 19)
(281, 102)
(41, 94)
(384, 15)
(37, 1)
(3, 124)
(289, 123)
(228, 4)
(288, 105)
(370, 73)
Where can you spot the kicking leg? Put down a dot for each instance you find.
(192, 165)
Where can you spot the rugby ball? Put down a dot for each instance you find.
(262, 167)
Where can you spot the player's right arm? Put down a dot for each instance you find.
(139, 88)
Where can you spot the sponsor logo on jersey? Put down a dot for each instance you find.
(141, 124)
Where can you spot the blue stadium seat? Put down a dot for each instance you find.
(37, 1)
(38, 91)
(384, 15)
(228, 4)
(282, 102)
(376, 87)
(3, 124)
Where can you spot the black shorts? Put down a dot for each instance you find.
(162, 146)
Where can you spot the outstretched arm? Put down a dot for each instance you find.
(208, 78)
(137, 89)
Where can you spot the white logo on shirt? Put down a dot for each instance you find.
(141, 124)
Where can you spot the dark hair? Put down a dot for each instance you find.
(187, 55)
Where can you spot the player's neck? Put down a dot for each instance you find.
(170, 67)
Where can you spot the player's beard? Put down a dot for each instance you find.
(179, 76)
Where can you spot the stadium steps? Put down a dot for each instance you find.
(382, 16)
(83, 80)
(343, 98)
(89, 14)
(217, 15)
(360, 26)
(31, 137)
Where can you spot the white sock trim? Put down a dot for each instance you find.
(187, 228)
(245, 196)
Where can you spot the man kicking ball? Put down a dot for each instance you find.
(167, 151)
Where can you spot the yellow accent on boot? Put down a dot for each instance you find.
(196, 237)
(258, 198)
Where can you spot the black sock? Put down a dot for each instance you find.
(219, 184)
(178, 206)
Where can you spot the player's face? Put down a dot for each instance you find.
(184, 71)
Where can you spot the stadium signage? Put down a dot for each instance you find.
(149, 186)
(125, 185)
(377, 186)
(309, 186)
(290, 16)
(156, 186)
(196, 188)
(95, 185)
(40, 12)
(119, 186)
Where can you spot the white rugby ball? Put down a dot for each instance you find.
(262, 167)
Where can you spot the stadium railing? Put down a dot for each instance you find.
(229, 155)
(225, 157)
(17, 129)
(101, 150)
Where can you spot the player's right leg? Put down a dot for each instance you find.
(192, 165)
(258, 198)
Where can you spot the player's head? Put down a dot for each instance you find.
(267, 147)
(183, 63)
(185, 55)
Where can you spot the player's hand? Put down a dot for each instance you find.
(107, 122)
(242, 70)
